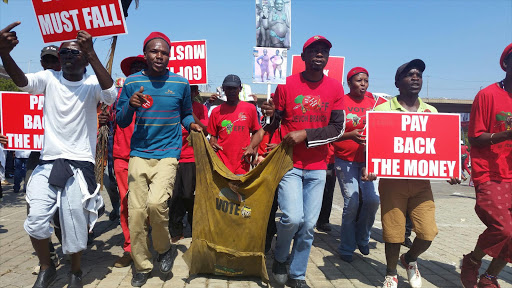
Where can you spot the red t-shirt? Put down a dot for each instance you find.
(122, 138)
(492, 113)
(187, 152)
(349, 150)
(233, 125)
(276, 139)
(308, 105)
(330, 154)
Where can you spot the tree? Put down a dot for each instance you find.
(8, 85)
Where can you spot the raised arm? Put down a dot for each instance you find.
(8, 41)
(87, 47)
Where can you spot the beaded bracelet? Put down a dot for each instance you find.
(492, 143)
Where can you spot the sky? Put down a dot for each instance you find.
(460, 40)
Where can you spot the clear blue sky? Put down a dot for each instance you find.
(459, 40)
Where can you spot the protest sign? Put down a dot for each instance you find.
(269, 65)
(273, 23)
(188, 59)
(334, 68)
(61, 20)
(413, 145)
(22, 120)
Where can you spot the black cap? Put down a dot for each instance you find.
(416, 63)
(232, 81)
(50, 50)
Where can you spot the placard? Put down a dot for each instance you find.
(334, 68)
(188, 59)
(413, 145)
(269, 65)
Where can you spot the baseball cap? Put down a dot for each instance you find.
(127, 63)
(50, 50)
(232, 81)
(154, 35)
(315, 39)
(504, 55)
(416, 63)
(356, 70)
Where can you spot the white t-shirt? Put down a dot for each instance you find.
(69, 113)
(22, 154)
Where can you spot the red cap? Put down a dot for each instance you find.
(154, 35)
(315, 39)
(127, 63)
(504, 55)
(356, 70)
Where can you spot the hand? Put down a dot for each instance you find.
(85, 42)
(213, 142)
(8, 39)
(249, 154)
(295, 137)
(104, 117)
(138, 98)
(212, 98)
(367, 177)
(453, 181)
(268, 108)
(195, 127)
(270, 147)
(356, 136)
(3, 139)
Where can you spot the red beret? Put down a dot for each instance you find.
(356, 70)
(504, 55)
(154, 35)
(127, 63)
(315, 39)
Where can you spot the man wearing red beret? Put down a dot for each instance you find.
(490, 136)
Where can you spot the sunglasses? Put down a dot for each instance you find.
(65, 51)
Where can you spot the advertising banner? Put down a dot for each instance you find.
(413, 145)
(22, 120)
(188, 59)
(61, 20)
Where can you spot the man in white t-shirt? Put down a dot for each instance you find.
(64, 178)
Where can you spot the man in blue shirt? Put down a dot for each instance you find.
(161, 101)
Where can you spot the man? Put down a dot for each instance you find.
(68, 152)
(182, 200)
(399, 197)
(310, 109)
(161, 101)
(231, 125)
(121, 155)
(490, 136)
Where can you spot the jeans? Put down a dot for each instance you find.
(355, 230)
(300, 199)
(20, 170)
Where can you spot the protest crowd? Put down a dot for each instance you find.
(170, 154)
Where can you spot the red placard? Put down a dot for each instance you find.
(188, 59)
(413, 145)
(334, 68)
(22, 120)
(60, 20)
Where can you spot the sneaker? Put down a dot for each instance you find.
(324, 227)
(488, 281)
(469, 271)
(390, 282)
(45, 277)
(167, 260)
(75, 280)
(347, 258)
(413, 274)
(279, 272)
(364, 249)
(139, 279)
(407, 242)
(177, 239)
(296, 283)
(124, 261)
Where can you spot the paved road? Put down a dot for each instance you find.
(458, 225)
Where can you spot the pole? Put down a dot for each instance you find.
(268, 99)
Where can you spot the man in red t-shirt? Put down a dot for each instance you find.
(121, 154)
(310, 109)
(490, 136)
(182, 200)
(231, 125)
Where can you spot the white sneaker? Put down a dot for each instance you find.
(390, 282)
(413, 274)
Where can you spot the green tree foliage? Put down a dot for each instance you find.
(8, 85)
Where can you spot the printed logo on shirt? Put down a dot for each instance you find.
(354, 119)
(242, 116)
(169, 91)
(504, 120)
(149, 101)
(227, 125)
(309, 103)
